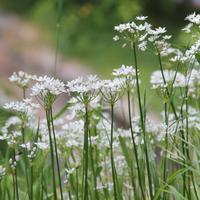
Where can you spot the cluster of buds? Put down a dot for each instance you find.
(32, 154)
(13, 162)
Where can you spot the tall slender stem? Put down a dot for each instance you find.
(168, 93)
(111, 153)
(135, 147)
(13, 180)
(93, 169)
(142, 122)
(166, 147)
(16, 184)
(31, 181)
(56, 151)
(85, 154)
(52, 152)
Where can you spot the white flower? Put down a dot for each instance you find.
(141, 18)
(142, 46)
(85, 89)
(124, 71)
(73, 133)
(189, 55)
(116, 38)
(47, 85)
(25, 108)
(125, 76)
(193, 18)
(160, 30)
(170, 76)
(187, 28)
(2, 172)
(21, 78)
(70, 171)
(112, 89)
(26, 146)
(42, 145)
(11, 121)
(47, 89)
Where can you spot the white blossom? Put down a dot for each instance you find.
(2, 172)
(22, 79)
(172, 78)
(25, 108)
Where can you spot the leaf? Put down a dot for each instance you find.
(198, 57)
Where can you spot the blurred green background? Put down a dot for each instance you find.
(86, 27)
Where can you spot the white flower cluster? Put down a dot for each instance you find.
(172, 78)
(11, 122)
(22, 79)
(126, 76)
(194, 20)
(189, 55)
(85, 89)
(31, 149)
(10, 131)
(125, 71)
(46, 89)
(13, 162)
(72, 134)
(143, 33)
(46, 85)
(25, 108)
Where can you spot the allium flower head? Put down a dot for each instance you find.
(47, 89)
(193, 25)
(21, 78)
(193, 18)
(171, 77)
(124, 71)
(142, 33)
(189, 56)
(112, 90)
(126, 76)
(85, 89)
(46, 85)
(24, 109)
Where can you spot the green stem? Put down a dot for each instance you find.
(93, 169)
(187, 147)
(184, 153)
(77, 187)
(16, 184)
(111, 155)
(166, 148)
(13, 176)
(85, 154)
(135, 147)
(31, 182)
(26, 164)
(48, 118)
(15, 179)
(56, 151)
(142, 123)
(1, 192)
(168, 93)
